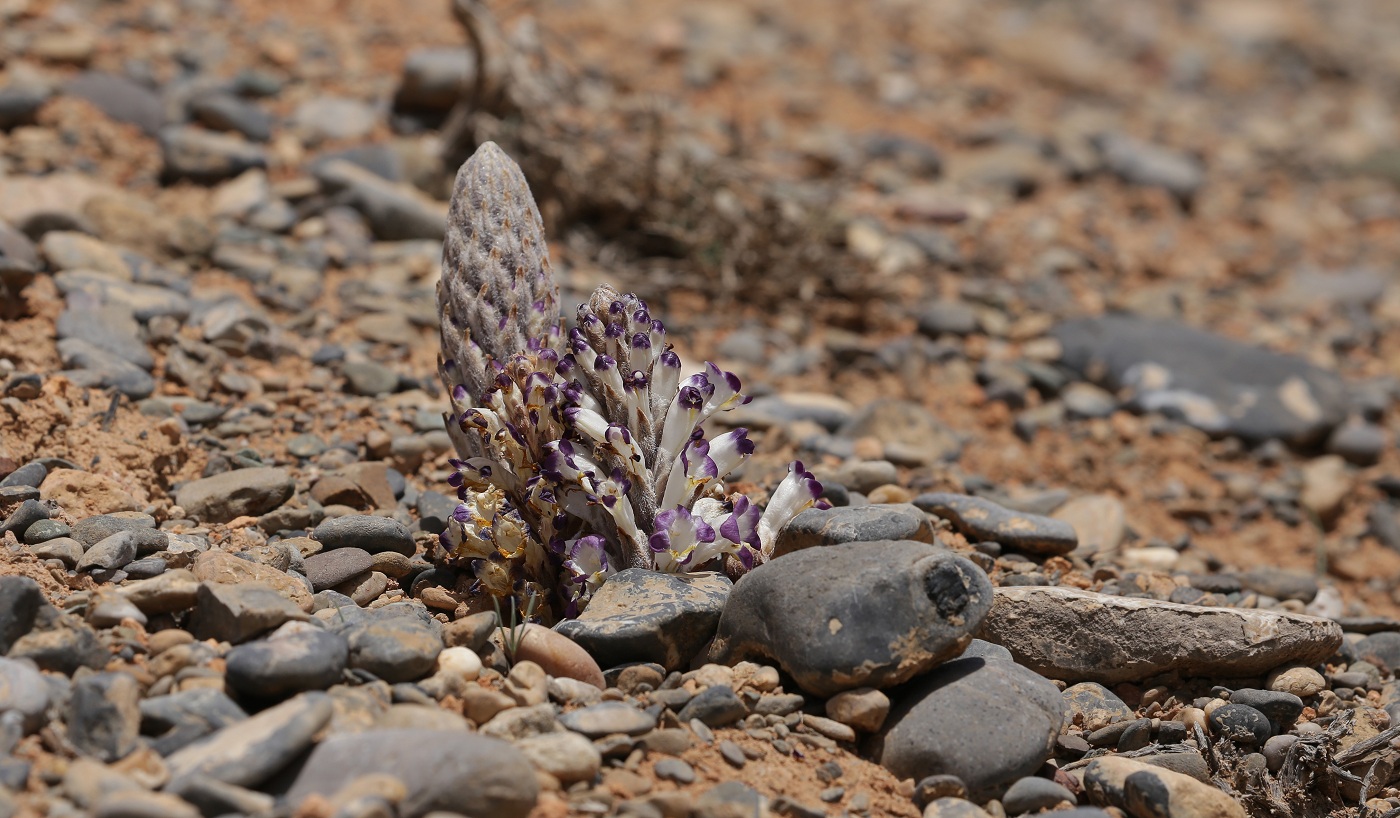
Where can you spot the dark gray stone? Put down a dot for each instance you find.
(330, 568)
(948, 318)
(104, 717)
(1211, 382)
(284, 665)
(646, 616)
(464, 773)
(62, 644)
(92, 530)
(29, 512)
(979, 519)
(395, 212)
(30, 474)
(606, 718)
(226, 112)
(982, 649)
(1241, 724)
(248, 752)
(18, 106)
(434, 510)
(821, 527)
(1280, 708)
(22, 601)
(237, 613)
(716, 706)
(1018, 716)
(120, 99)
(854, 615)
(371, 534)
(1359, 443)
(395, 648)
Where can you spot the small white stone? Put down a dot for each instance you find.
(459, 663)
(1300, 681)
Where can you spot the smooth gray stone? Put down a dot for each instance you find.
(237, 613)
(464, 773)
(646, 616)
(112, 552)
(121, 99)
(1018, 716)
(237, 493)
(23, 599)
(23, 691)
(394, 648)
(854, 615)
(178, 719)
(606, 718)
(1033, 794)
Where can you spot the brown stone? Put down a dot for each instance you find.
(558, 655)
(224, 568)
(86, 494)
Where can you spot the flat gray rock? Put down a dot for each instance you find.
(237, 493)
(463, 773)
(646, 616)
(818, 527)
(981, 520)
(249, 752)
(366, 532)
(854, 615)
(1209, 381)
(1122, 639)
(395, 648)
(986, 722)
(283, 665)
(237, 613)
(104, 716)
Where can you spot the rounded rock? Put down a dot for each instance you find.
(1241, 724)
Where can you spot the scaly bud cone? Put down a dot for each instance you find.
(497, 295)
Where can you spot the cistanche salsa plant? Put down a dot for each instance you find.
(581, 452)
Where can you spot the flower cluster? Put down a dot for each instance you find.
(581, 452)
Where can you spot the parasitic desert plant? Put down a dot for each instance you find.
(581, 451)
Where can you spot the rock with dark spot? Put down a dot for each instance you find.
(854, 615)
(1241, 724)
(818, 527)
(981, 520)
(1018, 716)
(646, 616)
(1216, 384)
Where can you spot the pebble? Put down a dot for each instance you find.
(1143, 163)
(336, 118)
(824, 527)
(225, 568)
(1033, 794)
(1131, 639)
(604, 718)
(864, 709)
(226, 112)
(673, 769)
(120, 98)
(569, 757)
(954, 808)
(237, 493)
(644, 616)
(207, 156)
(285, 664)
(111, 553)
(854, 615)
(371, 534)
(330, 568)
(434, 78)
(715, 706)
(395, 212)
(927, 731)
(980, 519)
(1300, 681)
(440, 771)
(1281, 709)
